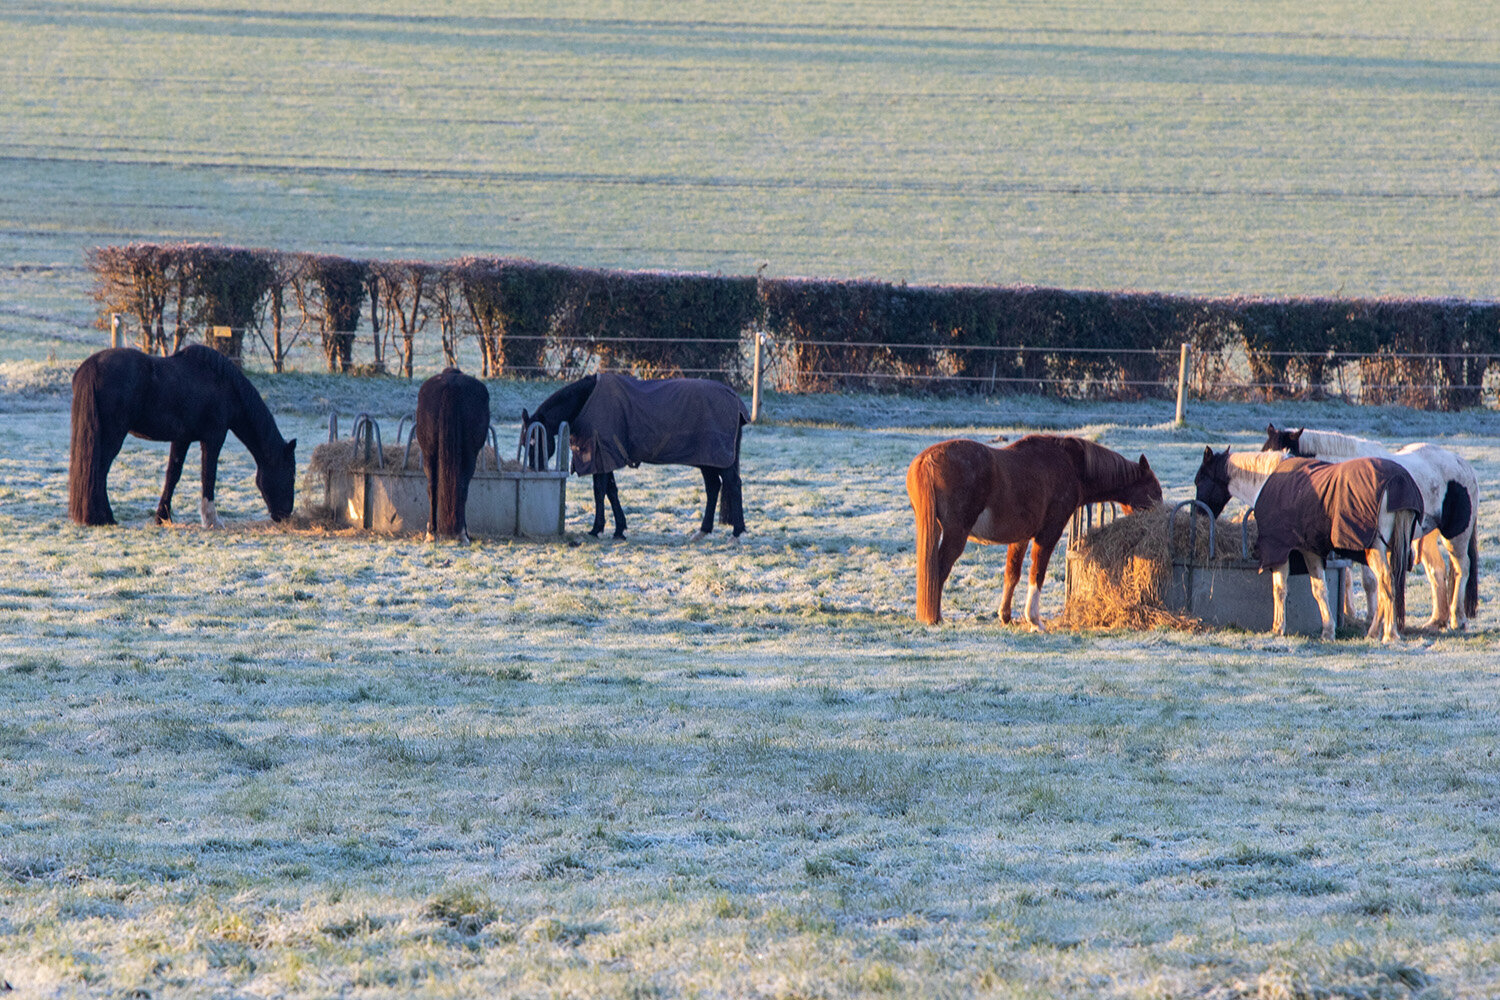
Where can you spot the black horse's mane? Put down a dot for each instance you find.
(565, 403)
(255, 425)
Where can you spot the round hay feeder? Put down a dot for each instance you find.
(1155, 568)
(383, 488)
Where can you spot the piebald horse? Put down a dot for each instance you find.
(1024, 492)
(1449, 540)
(1368, 507)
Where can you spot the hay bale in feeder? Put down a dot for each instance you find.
(1118, 573)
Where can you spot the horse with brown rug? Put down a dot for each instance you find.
(453, 420)
(1024, 492)
(1366, 508)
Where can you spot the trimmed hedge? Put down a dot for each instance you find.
(530, 318)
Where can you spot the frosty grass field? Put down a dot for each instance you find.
(265, 762)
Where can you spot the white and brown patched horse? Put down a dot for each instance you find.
(1367, 508)
(1025, 492)
(1448, 542)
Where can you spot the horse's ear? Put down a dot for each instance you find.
(1145, 465)
(291, 447)
(1270, 429)
(1208, 453)
(525, 417)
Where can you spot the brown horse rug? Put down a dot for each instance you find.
(672, 421)
(1328, 506)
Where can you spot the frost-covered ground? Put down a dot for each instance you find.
(261, 762)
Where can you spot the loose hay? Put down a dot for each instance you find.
(1120, 571)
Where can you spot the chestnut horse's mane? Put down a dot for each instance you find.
(1107, 470)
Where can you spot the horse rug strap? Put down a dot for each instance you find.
(1323, 506)
(674, 421)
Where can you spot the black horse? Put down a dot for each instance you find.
(453, 419)
(196, 394)
(617, 420)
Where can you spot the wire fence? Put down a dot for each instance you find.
(1428, 381)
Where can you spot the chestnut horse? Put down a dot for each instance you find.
(1024, 492)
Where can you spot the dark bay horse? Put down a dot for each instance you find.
(453, 420)
(196, 394)
(617, 420)
(1024, 492)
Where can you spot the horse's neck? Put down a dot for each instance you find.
(1329, 444)
(1248, 472)
(254, 425)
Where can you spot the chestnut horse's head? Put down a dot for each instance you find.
(1108, 475)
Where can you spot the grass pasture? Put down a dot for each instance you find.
(269, 763)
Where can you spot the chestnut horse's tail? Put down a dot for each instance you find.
(88, 465)
(919, 488)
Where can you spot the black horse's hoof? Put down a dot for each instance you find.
(596, 532)
(619, 536)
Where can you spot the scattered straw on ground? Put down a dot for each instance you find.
(1119, 575)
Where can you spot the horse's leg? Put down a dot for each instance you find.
(711, 484)
(1319, 591)
(733, 500)
(1015, 553)
(1384, 621)
(1279, 576)
(601, 480)
(429, 463)
(612, 492)
(1427, 553)
(176, 455)
(209, 449)
(466, 466)
(1041, 554)
(1372, 590)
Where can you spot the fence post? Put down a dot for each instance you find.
(1182, 377)
(114, 329)
(755, 380)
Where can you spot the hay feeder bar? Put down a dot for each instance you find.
(527, 498)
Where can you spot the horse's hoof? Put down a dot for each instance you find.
(429, 537)
(697, 536)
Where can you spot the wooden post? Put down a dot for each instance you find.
(1182, 379)
(755, 380)
(114, 329)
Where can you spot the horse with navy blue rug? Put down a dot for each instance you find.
(197, 395)
(618, 420)
(453, 420)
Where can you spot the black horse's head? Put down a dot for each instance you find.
(562, 405)
(1284, 440)
(276, 478)
(1212, 480)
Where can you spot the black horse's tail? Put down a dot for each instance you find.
(1398, 560)
(447, 464)
(1471, 586)
(88, 501)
